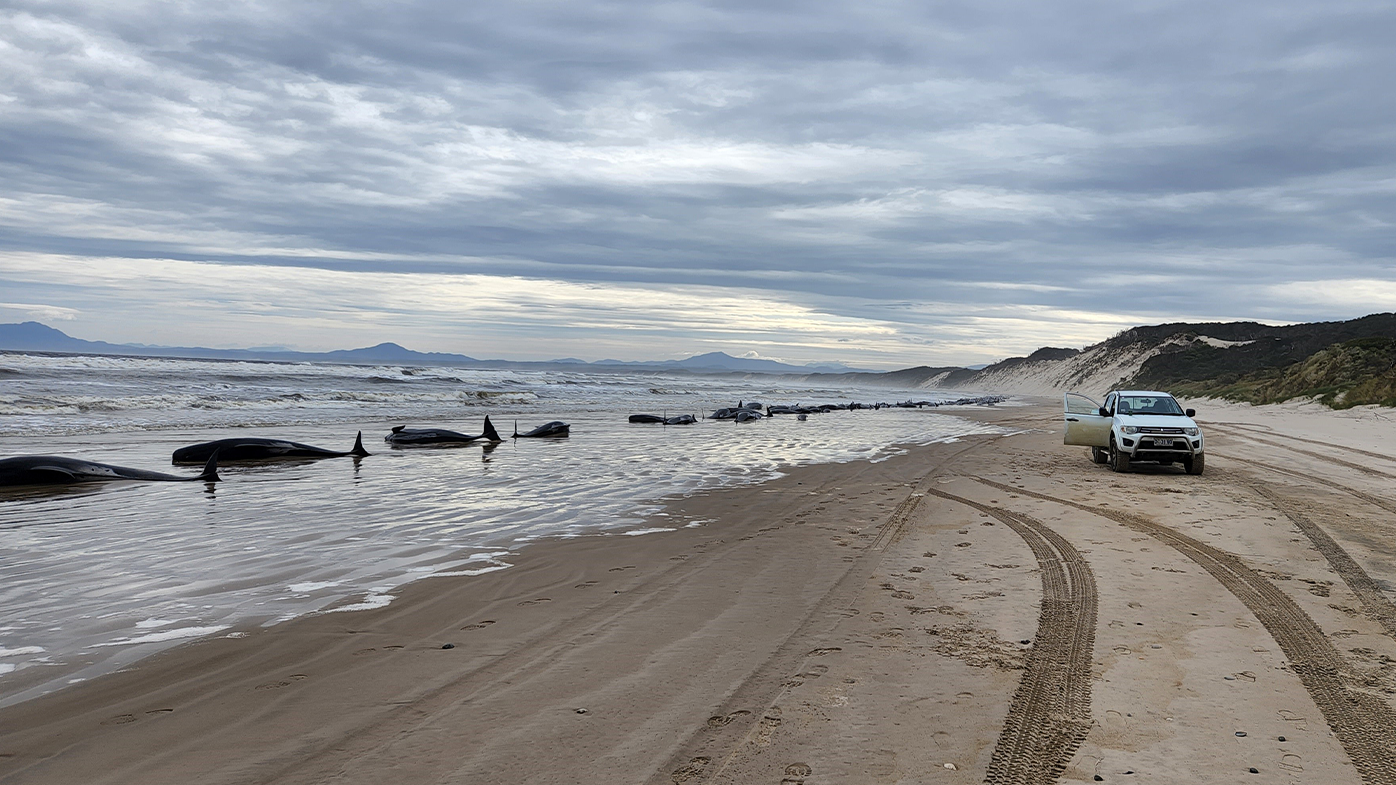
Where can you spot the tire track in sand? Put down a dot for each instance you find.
(1050, 714)
(1357, 579)
(1364, 723)
(1225, 426)
(1375, 501)
(1357, 467)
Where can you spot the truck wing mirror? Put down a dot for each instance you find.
(1190, 412)
(1104, 412)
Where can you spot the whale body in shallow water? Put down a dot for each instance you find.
(411, 437)
(554, 428)
(55, 470)
(254, 449)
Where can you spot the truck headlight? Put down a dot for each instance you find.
(1190, 431)
(1130, 429)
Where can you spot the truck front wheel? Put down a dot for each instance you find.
(1195, 464)
(1119, 460)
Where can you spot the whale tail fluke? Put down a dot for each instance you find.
(359, 451)
(516, 430)
(490, 432)
(210, 472)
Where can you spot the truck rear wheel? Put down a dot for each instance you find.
(1195, 464)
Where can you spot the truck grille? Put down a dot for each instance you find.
(1170, 431)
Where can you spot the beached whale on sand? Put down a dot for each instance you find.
(255, 449)
(649, 419)
(412, 437)
(547, 429)
(54, 470)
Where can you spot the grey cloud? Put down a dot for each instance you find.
(981, 143)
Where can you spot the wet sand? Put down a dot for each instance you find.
(998, 607)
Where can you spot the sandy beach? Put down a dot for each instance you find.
(996, 608)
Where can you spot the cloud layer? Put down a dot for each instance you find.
(886, 183)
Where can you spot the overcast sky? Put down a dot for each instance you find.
(886, 184)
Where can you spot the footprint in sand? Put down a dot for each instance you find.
(824, 651)
(120, 719)
(479, 625)
(721, 720)
(619, 569)
(813, 672)
(586, 585)
(538, 601)
(686, 772)
(903, 595)
(160, 711)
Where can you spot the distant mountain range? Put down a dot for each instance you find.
(37, 337)
(1340, 364)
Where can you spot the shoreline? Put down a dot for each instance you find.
(646, 514)
(845, 622)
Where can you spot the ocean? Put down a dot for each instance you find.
(95, 576)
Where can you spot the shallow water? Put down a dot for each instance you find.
(95, 576)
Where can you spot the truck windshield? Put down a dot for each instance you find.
(1148, 404)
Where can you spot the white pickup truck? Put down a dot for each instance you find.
(1134, 425)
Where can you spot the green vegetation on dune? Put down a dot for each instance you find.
(1352, 373)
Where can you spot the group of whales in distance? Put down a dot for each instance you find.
(747, 411)
(57, 470)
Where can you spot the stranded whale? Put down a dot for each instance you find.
(54, 470)
(408, 437)
(554, 428)
(253, 449)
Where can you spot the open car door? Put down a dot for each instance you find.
(1084, 425)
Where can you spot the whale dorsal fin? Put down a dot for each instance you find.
(398, 428)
